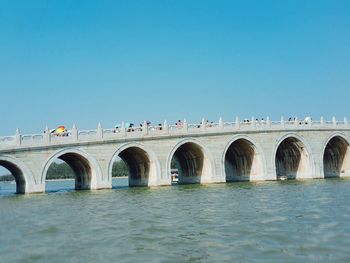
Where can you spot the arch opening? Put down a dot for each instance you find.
(12, 173)
(69, 165)
(136, 164)
(336, 158)
(188, 163)
(242, 161)
(292, 160)
(120, 173)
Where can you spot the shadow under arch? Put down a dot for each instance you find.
(292, 158)
(20, 172)
(336, 157)
(193, 161)
(142, 164)
(243, 160)
(85, 168)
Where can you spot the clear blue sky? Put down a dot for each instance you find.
(65, 62)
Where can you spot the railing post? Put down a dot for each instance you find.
(185, 126)
(99, 131)
(237, 124)
(296, 122)
(203, 125)
(322, 121)
(47, 135)
(74, 132)
(268, 122)
(253, 123)
(345, 122)
(334, 122)
(18, 137)
(221, 124)
(144, 128)
(282, 122)
(122, 129)
(165, 127)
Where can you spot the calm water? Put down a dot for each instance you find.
(239, 222)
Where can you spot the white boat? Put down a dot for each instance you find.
(283, 177)
(174, 178)
(174, 175)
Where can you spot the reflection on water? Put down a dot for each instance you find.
(57, 186)
(287, 221)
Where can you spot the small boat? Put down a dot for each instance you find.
(283, 177)
(174, 175)
(174, 178)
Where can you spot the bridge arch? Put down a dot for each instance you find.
(194, 160)
(86, 169)
(292, 158)
(243, 160)
(335, 156)
(143, 165)
(23, 177)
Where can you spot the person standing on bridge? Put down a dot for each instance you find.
(178, 124)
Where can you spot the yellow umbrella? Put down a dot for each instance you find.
(60, 129)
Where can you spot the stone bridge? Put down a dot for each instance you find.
(203, 153)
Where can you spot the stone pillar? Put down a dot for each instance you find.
(144, 128)
(47, 135)
(221, 124)
(296, 122)
(268, 122)
(203, 125)
(18, 137)
(122, 129)
(165, 127)
(185, 126)
(237, 124)
(253, 123)
(322, 121)
(99, 131)
(74, 133)
(334, 122)
(283, 125)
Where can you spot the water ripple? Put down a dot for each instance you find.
(238, 222)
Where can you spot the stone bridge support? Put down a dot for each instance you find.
(201, 157)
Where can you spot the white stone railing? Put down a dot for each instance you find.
(74, 135)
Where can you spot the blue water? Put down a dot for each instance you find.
(289, 221)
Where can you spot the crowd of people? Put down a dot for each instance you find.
(291, 120)
(130, 127)
(247, 121)
(179, 124)
(307, 120)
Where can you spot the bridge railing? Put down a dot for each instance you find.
(7, 140)
(31, 139)
(183, 128)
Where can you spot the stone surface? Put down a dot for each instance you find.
(213, 153)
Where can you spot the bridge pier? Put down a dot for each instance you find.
(33, 189)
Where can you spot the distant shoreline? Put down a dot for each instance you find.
(70, 179)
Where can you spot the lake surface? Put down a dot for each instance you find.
(287, 221)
